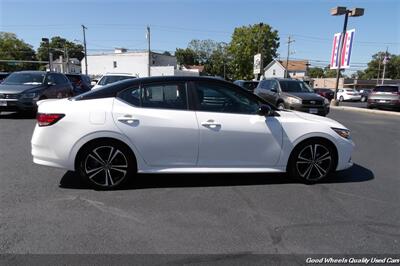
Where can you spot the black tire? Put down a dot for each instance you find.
(341, 99)
(106, 164)
(311, 170)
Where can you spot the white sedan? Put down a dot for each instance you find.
(183, 125)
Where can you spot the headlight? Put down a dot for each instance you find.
(344, 133)
(293, 100)
(326, 101)
(30, 95)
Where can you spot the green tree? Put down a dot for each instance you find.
(186, 56)
(248, 41)
(57, 46)
(392, 70)
(12, 48)
(329, 73)
(219, 62)
(316, 72)
(203, 49)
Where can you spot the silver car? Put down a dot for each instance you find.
(385, 96)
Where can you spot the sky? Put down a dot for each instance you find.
(174, 23)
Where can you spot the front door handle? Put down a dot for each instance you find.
(211, 124)
(127, 119)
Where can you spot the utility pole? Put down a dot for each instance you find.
(379, 68)
(384, 65)
(287, 58)
(84, 45)
(148, 50)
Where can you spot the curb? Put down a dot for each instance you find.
(365, 110)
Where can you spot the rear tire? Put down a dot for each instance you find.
(363, 99)
(280, 106)
(312, 161)
(341, 99)
(106, 164)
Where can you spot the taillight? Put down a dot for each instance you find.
(45, 120)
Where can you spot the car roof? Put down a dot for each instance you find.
(112, 89)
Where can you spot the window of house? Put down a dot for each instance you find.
(273, 72)
(115, 64)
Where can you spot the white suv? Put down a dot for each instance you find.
(111, 78)
(348, 95)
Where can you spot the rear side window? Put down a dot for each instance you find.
(131, 96)
(386, 89)
(265, 84)
(165, 96)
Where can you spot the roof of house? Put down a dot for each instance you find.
(294, 65)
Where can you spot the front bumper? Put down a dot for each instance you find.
(318, 110)
(345, 150)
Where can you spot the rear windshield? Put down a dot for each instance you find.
(294, 86)
(386, 89)
(111, 79)
(250, 85)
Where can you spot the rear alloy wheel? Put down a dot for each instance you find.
(363, 99)
(106, 165)
(312, 161)
(341, 99)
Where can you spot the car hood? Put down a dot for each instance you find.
(14, 89)
(311, 117)
(304, 95)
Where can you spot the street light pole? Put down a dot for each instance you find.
(337, 11)
(346, 17)
(84, 45)
(148, 51)
(46, 40)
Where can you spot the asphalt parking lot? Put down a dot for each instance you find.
(46, 210)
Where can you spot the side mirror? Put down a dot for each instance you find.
(265, 110)
(50, 83)
(274, 90)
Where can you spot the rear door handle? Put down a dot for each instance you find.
(210, 123)
(127, 119)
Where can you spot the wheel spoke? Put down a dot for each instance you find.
(98, 171)
(115, 155)
(110, 177)
(319, 169)
(111, 153)
(308, 171)
(304, 159)
(98, 157)
(119, 170)
(94, 169)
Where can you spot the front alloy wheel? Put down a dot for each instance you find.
(106, 166)
(312, 161)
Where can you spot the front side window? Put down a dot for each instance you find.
(224, 99)
(165, 96)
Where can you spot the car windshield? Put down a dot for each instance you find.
(111, 79)
(386, 89)
(25, 79)
(250, 85)
(294, 86)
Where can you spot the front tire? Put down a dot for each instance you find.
(106, 164)
(312, 161)
(281, 106)
(341, 99)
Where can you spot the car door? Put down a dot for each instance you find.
(157, 120)
(63, 86)
(232, 134)
(52, 88)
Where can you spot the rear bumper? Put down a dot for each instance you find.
(19, 105)
(390, 104)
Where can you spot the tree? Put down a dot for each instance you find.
(329, 73)
(219, 62)
(316, 72)
(186, 56)
(203, 49)
(57, 46)
(392, 70)
(12, 48)
(248, 41)
(167, 53)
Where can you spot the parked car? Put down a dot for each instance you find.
(183, 125)
(111, 78)
(21, 90)
(326, 93)
(348, 95)
(364, 94)
(249, 85)
(292, 94)
(3, 75)
(80, 82)
(385, 96)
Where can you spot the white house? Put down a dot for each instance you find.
(73, 66)
(276, 69)
(135, 62)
